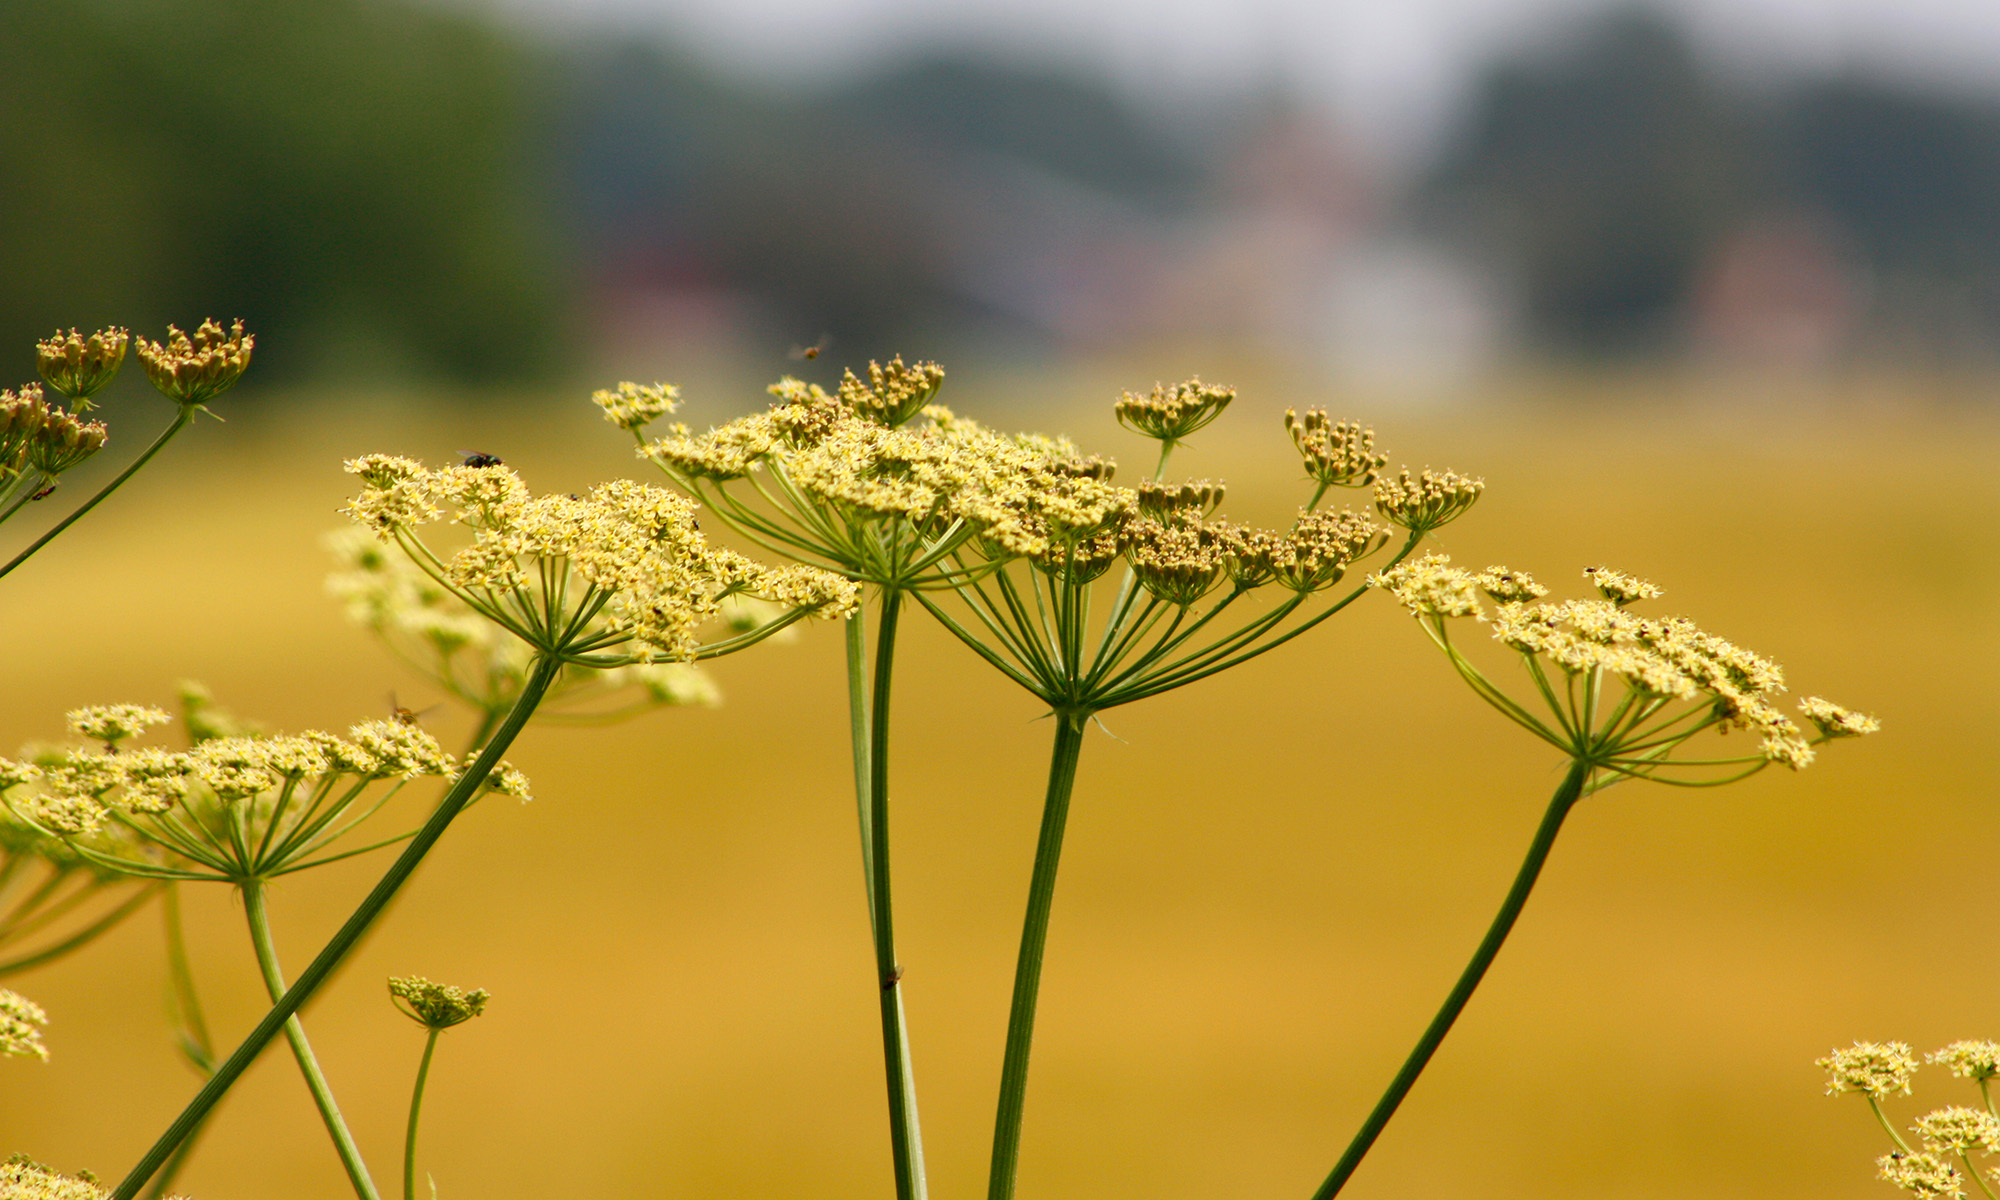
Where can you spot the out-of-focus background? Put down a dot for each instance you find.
(1706, 292)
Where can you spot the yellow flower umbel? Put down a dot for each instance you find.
(81, 367)
(1953, 1134)
(618, 577)
(21, 1021)
(437, 1007)
(192, 370)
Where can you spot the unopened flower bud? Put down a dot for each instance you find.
(194, 370)
(22, 415)
(435, 1005)
(1198, 497)
(1172, 413)
(893, 393)
(1427, 501)
(80, 367)
(63, 442)
(1336, 453)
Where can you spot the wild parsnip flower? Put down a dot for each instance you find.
(1874, 1069)
(1959, 1130)
(81, 367)
(22, 416)
(633, 406)
(1427, 501)
(1924, 1176)
(21, 1178)
(114, 723)
(21, 1021)
(1969, 1060)
(1509, 587)
(1171, 413)
(1178, 561)
(1677, 680)
(1336, 453)
(893, 393)
(63, 441)
(192, 370)
(435, 1005)
(1833, 721)
(621, 575)
(1619, 588)
(1196, 497)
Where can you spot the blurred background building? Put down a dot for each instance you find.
(556, 186)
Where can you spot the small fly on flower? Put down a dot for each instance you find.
(479, 458)
(408, 716)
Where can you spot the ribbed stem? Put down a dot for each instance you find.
(1496, 935)
(416, 1108)
(1028, 967)
(906, 1137)
(259, 917)
(337, 949)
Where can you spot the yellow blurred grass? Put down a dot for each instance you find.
(1271, 877)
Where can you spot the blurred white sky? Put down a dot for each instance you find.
(1391, 69)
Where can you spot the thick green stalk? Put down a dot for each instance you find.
(1503, 922)
(259, 917)
(857, 735)
(1028, 968)
(343, 941)
(906, 1137)
(180, 422)
(416, 1108)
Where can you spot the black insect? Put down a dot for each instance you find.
(479, 458)
(808, 353)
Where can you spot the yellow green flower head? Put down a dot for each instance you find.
(397, 748)
(22, 415)
(893, 393)
(1833, 721)
(1336, 453)
(21, 1178)
(509, 782)
(114, 723)
(63, 441)
(1619, 588)
(633, 406)
(194, 370)
(435, 1005)
(1510, 587)
(1924, 1176)
(1431, 587)
(21, 1021)
(1179, 562)
(1875, 1069)
(1959, 1130)
(80, 367)
(1427, 501)
(14, 774)
(1196, 497)
(1320, 545)
(1969, 1060)
(1171, 413)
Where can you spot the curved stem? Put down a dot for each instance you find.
(416, 1107)
(1887, 1128)
(336, 950)
(1028, 968)
(906, 1137)
(295, 1032)
(1503, 922)
(179, 423)
(196, 1045)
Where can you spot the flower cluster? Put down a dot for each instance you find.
(192, 370)
(21, 1021)
(435, 1005)
(81, 367)
(1948, 1137)
(1336, 453)
(1171, 413)
(621, 575)
(40, 440)
(227, 807)
(1426, 501)
(633, 406)
(1678, 679)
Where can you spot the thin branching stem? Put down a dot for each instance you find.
(180, 422)
(416, 1109)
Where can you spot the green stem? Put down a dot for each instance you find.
(1986, 1094)
(80, 937)
(416, 1107)
(1503, 922)
(172, 1170)
(906, 1137)
(1887, 1128)
(295, 1032)
(857, 734)
(469, 784)
(179, 423)
(1028, 968)
(196, 1044)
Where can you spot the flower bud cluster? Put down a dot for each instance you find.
(894, 393)
(1336, 453)
(1427, 501)
(21, 1021)
(81, 367)
(37, 437)
(192, 370)
(1171, 413)
(435, 1005)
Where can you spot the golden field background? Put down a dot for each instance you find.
(1271, 877)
